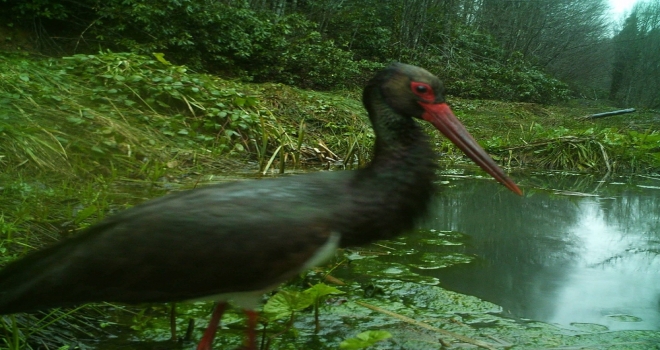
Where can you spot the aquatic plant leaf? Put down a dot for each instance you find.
(284, 303)
(365, 340)
(320, 290)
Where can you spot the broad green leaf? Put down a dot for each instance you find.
(251, 101)
(285, 302)
(364, 340)
(161, 58)
(320, 290)
(75, 120)
(240, 101)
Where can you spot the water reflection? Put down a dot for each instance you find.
(558, 258)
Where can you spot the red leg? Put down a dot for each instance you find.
(209, 333)
(251, 330)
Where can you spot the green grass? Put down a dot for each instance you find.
(558, 137)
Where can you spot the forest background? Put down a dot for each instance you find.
(534, 51)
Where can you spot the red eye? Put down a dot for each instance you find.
(423, 90)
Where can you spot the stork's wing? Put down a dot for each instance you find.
(220, 239)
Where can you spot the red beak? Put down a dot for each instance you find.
(444, 120)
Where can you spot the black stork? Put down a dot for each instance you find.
(235, 241)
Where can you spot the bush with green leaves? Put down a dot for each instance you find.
(232, 39)
(478, 68)
(199, 106)
(204, 35)
(93, 109)
(472, 63)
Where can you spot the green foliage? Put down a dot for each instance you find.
(635, 73)
(285, 303)
(49, 110)
(321, 290)
(19, 9)
(308, 120)
(512, 82)
(357, 27)
(203, 109)
(230, 39)
(123, 111)
(322, 46)
(472, 63)
(481, 69)
(365, 340)
(604, 150)
(633, 151)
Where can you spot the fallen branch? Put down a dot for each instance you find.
(608, 114)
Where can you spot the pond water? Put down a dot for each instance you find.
(573, 251)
